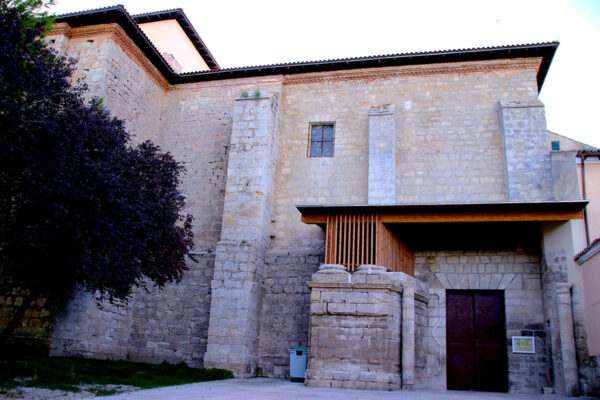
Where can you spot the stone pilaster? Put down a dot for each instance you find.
(528, 168)
(408, 336)
(382, 155)
(570, 378)
(237, 285)
(558, 310)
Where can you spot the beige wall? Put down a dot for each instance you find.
(592, 188)
(565, 238)
(169, 37)
(566, 144)
(591, 281)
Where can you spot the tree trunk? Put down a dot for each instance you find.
(16, 319)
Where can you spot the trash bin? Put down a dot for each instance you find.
(298, 357)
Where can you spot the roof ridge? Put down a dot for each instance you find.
(390, 55)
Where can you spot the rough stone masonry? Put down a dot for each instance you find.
(440, 131)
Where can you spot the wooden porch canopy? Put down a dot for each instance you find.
(359, 234)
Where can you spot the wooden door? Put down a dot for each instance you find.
(476, 341)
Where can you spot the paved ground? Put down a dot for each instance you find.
(277, 389)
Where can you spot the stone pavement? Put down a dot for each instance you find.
(276, 389)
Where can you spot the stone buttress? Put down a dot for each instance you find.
(237, 285)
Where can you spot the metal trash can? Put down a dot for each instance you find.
(298, 356)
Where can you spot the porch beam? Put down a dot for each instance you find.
(531, 216)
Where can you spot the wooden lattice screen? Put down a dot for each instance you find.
(353, 239)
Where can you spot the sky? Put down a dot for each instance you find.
(244, 33)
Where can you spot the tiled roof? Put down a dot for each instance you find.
(593, 246)
(118, 14)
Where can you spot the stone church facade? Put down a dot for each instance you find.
(348, 206)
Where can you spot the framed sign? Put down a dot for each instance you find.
(523, 344)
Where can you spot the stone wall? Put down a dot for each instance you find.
(169, 324)
(559, 322)
(111, 70)
(237, 285)
(528, 167)
(35, 328)
(159, 325)
(285, 308)
(517, 273)
(448, 137)
(587, 366)
(355, 329)
(247, 168)
(421, 342)
(195, 126)
(382, 155)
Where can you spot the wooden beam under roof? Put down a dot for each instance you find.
(456, 212)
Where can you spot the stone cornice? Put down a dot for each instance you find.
(418, 71)
(421, 298)
(521, 103)
(116, 33)
(60, 28)
(357, 286)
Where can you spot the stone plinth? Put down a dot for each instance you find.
(355, 329)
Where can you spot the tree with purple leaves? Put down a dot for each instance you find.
(80, 205)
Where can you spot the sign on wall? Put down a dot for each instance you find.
(523, 344)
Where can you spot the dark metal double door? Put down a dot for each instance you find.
(476, 340)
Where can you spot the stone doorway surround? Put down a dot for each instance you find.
(518, 275)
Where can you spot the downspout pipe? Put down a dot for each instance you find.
(585, 217)
(583, 154)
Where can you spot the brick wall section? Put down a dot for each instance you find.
(285, 308)
(515, 272)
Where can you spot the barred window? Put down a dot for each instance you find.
(321, 140)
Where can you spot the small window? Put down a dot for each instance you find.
(555, 146)
(321, 137)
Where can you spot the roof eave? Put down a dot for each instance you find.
(118, 14)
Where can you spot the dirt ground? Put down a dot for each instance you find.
(87, 391)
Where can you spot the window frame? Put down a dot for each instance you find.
(310, 140)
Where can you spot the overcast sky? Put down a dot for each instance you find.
(244, 33)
